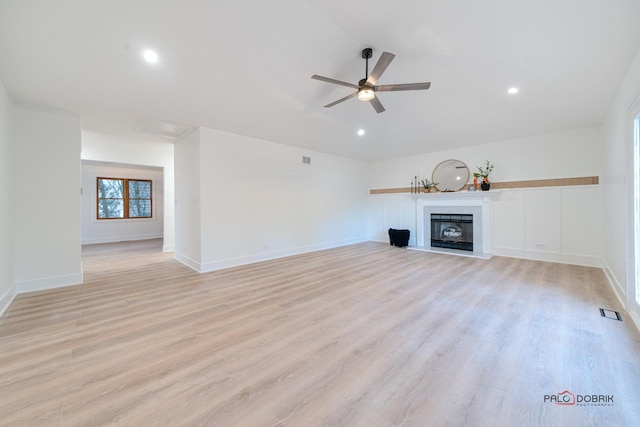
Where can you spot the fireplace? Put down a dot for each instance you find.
(476, 204)
(452, 231)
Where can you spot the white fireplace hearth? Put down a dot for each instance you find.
(475, 203)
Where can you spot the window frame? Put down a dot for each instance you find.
(125, 199)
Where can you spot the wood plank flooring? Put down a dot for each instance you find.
(363, 335)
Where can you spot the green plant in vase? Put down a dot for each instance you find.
(429, 186)
(484, 172)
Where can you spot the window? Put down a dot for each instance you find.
(120, 198)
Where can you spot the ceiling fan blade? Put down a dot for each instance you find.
(375, 102)
(381, 65)
(404, 86)
(334, 81)
(341, 100)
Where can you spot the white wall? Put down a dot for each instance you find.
(618, 188)
(7, 288)
(46, 216)
(94, 231)
(259, 201)
(144, 151)
(187, 203)
(574, 153)
(554, 224)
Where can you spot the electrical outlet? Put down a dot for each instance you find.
(540, 246)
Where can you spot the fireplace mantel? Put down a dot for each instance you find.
(464, 195)
(478, 202)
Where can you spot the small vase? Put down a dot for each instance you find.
(485, 185)
(475, 182)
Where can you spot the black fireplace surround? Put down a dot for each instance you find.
(452, 231)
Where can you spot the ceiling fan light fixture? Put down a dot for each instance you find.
(150, 56)
(366, 94)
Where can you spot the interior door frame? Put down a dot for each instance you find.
(632, 210)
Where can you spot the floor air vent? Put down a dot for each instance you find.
(610, 314)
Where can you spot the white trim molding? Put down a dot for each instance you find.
(267, 256)
(46, 283)
(206, 267)
(114, 239)
(618, 290)
(548, 256)
(189, 262)
(7, 299)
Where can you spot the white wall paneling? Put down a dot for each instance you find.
(543, 220)
(509, 221)
(549, 224)
(408, 218)
(392, 211)
(582, 232)
(546, 224)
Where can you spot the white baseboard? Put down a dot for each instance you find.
(634, 318)
(168, 248)
(621, 294)
(114, 239)
(26, 286)
(384, 238)
(617, 287)
(575, 259)
(189, 262)
(7, 299)
(250, 259)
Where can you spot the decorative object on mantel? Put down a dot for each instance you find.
(476, 175)
(429, 186)
(415, 185)
(484, 173)
(450, 175)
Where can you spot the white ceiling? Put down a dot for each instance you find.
(244, 66)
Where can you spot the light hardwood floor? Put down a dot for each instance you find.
(364, 335)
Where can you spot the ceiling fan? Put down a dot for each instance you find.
(366, 88)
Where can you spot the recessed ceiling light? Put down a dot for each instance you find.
(513, 90)
(361, 132)
(150, 56)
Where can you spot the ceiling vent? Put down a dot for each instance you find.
(163, 129)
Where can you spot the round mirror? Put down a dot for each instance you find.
(450, 175)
